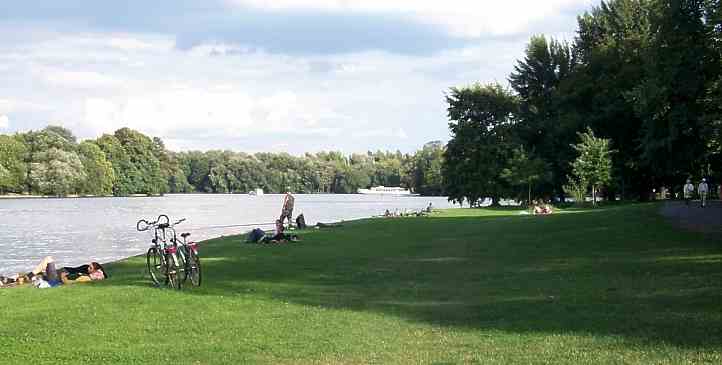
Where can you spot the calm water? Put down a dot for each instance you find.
(76, 231)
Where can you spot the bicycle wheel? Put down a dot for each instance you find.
(193, 268)
(156, 268)
(171, 274)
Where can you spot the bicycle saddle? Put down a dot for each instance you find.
(184, 235)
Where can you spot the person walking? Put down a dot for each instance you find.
(702, 190)
(688, 191)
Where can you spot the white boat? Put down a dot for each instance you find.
(257, 192)
(387, 190)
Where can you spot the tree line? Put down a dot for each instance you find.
(52, 162)
(640, 80)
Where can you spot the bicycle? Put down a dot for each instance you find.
(161, 258)
(188, 254)
(189, 262)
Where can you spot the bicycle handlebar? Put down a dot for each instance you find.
(144, 228)
(157, 223)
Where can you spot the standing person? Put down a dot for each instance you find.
(287, 210)
(702, 189)
(688, 191)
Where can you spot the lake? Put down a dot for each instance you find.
(76, 231)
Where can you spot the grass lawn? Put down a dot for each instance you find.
(609, 285)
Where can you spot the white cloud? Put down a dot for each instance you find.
(382, 133)
(79, 79)
(4, 121)
(467, 18)
(195, 113)
(129, 44)
(6, 105)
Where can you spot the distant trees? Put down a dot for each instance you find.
(52, 162)
(13, 169)
(644, 74)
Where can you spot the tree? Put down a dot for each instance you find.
(126, 174)
(12, 166)
(593, 165)
(425, 169)
(147, 177)
(611, 50)
(57, 172)
(681, 62)
(62, 132)
(525, 170)
(480, 121)
(537, 79)
(99, 175)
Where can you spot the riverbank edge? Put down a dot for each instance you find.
(21, 196)
(238, 235)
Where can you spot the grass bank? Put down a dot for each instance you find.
(609, 285)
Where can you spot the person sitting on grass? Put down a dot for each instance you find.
(301, 221)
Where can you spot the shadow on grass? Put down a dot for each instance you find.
(610, 272)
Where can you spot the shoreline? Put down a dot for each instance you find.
(242, 233)
(32, 197)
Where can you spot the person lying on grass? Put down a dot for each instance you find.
(45, 274)
(280, 237)
(540, 208)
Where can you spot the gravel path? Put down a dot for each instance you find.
(693, 217)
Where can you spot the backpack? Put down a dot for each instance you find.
(255, 235)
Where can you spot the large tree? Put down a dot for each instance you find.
(537, 79)
(480, 121)
(681, 60)
(611, 52)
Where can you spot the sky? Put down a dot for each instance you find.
(261, 75)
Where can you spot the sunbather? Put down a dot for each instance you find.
(45, 274)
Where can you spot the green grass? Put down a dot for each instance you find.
(608, 285)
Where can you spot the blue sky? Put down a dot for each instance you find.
(261, 75)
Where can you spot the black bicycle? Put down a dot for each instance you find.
(161, 258)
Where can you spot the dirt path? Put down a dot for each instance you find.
(693, 217)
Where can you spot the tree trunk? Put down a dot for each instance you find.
(528, 202)
(594, 195)
(495, 201)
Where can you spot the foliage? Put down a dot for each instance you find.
(13, 169)
(645, 74)
(525, 170)
(481, 117)
(129, 162)
(537, 80)
(593, 165)
(99, 175)
(577, 189)
(57, 172)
